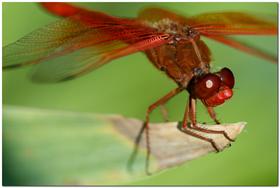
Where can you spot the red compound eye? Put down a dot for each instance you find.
(206, 86)
(227, 77)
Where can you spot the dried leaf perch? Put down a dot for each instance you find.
(172, 147)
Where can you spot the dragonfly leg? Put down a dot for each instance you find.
(159, 102)
(212, 114)
(185, 127)
(192, 106)
(211, 141)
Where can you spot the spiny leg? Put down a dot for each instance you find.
(161, 101)
(212, 114)
(185, 129)
(211, 141)
(192, 105)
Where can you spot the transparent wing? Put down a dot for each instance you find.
(247, 48)
(84, 60)
(40, 44)
(69, 48)
(232, 23)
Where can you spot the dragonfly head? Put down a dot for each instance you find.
(212, 89)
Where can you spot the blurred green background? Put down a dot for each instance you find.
(129, 85)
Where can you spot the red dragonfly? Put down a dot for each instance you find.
(85, 40)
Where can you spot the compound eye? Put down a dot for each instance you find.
(227, 77)
(207, 86)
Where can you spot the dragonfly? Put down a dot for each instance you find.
(84, 40)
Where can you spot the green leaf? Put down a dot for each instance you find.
(45, 147)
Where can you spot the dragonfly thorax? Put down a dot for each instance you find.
(177, 30)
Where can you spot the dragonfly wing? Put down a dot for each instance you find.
(40, 44)
(69, 48)
(249, 49)
(232, 23)
(88, 59)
